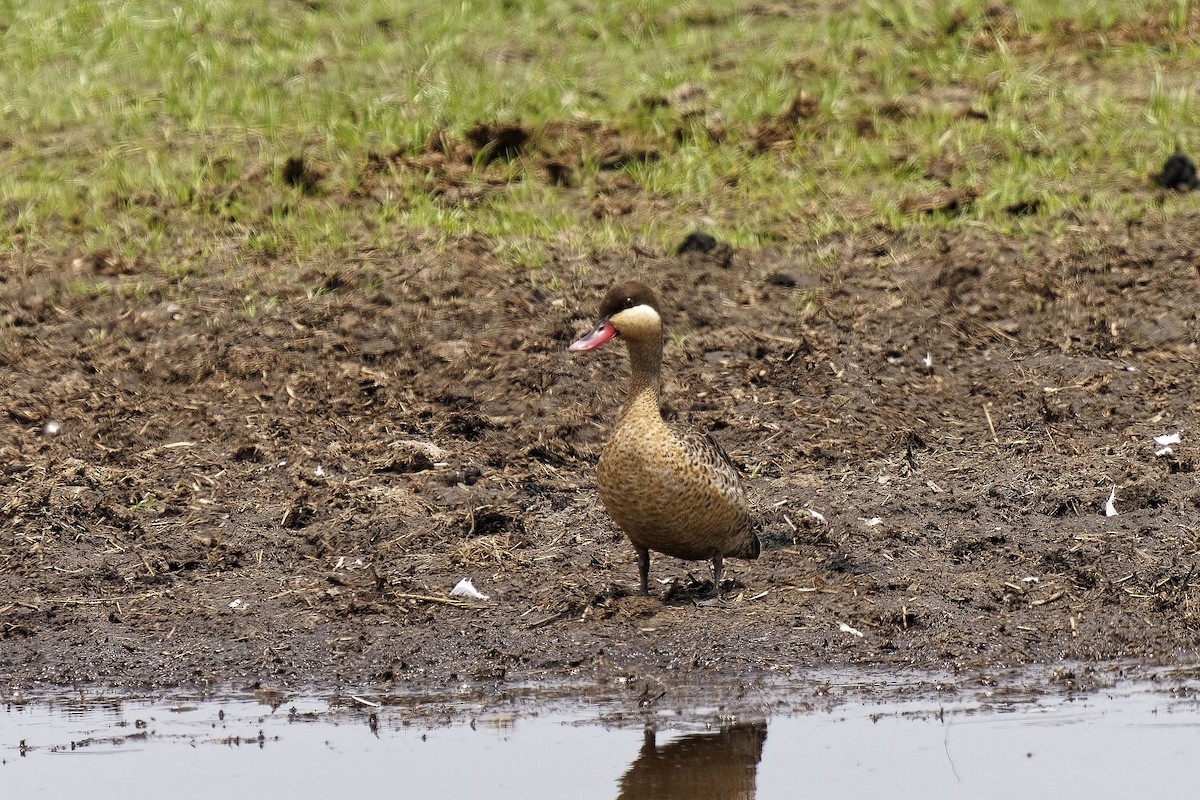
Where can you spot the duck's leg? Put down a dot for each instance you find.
(644, 568)
(717, 600)
(718, 568)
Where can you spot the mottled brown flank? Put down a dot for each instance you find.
(627, 295)
(673, 494)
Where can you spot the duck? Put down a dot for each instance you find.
(671, 491)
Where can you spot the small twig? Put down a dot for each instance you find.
(99, 601)
(365, 702)
(424, 598)
(1049, 599)
(23, 604)
(552, 618)
(1056, 389)
(991, 425)
(771, 337)
(170, 446)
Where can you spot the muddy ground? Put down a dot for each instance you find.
(205, 492)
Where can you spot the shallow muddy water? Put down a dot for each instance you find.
(825, 740)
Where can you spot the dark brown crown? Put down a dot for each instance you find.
(627, 295)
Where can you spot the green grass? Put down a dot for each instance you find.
(157, 131)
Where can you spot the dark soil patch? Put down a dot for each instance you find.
(299, 173)
(497, 141)
(464, 172)
(696, 242)
(929, 436)
(779, 131)
(944, 201)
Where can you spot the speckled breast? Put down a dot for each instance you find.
(670, 499)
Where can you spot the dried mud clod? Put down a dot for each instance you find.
(901, 620)
(248, 452)
(461, 172)
(493, 521)
(944, 201)
(105, 262)
(559, 173)
(498, 141)
(1024, 208)
(411, 456)
(299, 513)
(467, 476)
(1178, 173)
(493, 534)
(779, 131)
(683, 99)
(912, 444)
(695, 119)
(297, 172)
(698, 244)
(568, 145)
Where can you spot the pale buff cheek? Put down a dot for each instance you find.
(639, 322)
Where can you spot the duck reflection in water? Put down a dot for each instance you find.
(722, 766)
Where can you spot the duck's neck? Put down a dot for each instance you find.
(645, 358)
